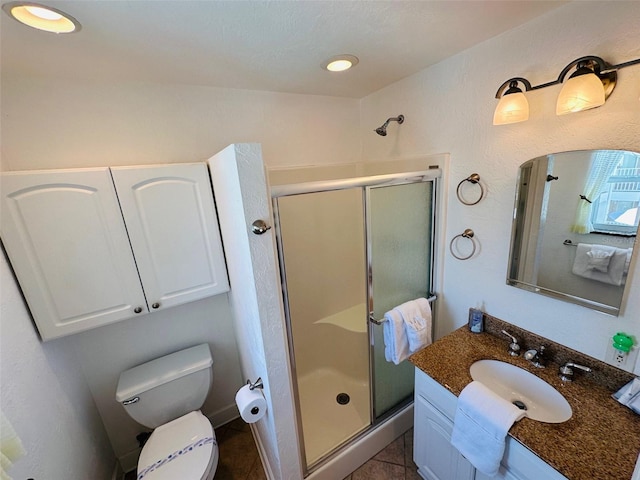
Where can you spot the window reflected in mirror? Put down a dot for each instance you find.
(575, 222)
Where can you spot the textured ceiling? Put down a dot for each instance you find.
(258, 45)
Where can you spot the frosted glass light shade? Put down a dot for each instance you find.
(580, 93)
(511, 108)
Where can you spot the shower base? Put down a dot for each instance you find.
(326, 423)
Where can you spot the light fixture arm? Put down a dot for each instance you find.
(597, 63)
(513, 83)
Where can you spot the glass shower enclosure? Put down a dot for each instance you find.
(350, 249)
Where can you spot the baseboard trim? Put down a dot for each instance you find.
(118, 473)
(129, 461)
(223, 415)
(262, 453)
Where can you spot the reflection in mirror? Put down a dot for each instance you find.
(574, 227)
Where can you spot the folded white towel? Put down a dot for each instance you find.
(417, 322)
(599, 258)
(396, 344)
(480, 426)
(591, 266)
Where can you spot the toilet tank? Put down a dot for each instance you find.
(168, 387)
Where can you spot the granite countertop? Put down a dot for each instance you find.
(601, 441)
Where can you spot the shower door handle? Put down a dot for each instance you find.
(259, 227)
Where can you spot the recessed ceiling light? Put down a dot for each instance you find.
(42, 17)
(340, 63)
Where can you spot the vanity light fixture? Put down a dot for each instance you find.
(513, 106)
(41, 17)
(587, 87)
(340, 63)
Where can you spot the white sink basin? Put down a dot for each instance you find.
(543, 402)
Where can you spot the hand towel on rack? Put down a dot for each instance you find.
(480, 426)
(416, 315)
(396, 345)
(589, 263)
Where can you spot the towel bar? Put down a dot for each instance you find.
(372, 319)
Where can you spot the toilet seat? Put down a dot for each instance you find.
(184, 448)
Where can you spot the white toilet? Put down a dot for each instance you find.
(166, 394)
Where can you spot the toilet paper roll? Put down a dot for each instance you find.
(251, 403)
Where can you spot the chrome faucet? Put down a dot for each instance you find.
(536, 356)
(514, 348)
(566, 371)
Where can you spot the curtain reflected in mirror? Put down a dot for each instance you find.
(574, 228)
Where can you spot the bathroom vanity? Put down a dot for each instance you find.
(600, 441)
(437, 459)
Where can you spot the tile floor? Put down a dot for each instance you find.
(394, 462)
(239, 458)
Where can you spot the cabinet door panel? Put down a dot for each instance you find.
(66, 240)
(436, 458)
(172, 225)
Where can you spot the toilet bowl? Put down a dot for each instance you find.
(166, 394)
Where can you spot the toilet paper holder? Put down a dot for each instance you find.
(257, 384)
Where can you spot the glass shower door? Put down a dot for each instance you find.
(400, 224)
(323, 253)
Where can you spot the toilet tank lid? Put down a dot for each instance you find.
(162, 370)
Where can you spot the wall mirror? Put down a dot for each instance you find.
(574, 226)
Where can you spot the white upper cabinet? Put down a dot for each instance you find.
(70, 244)
(173, 228)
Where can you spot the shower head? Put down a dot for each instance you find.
(382, 131)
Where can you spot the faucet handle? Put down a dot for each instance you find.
(514, 348)
(566, 371)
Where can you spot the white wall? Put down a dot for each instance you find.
(449, 108)
(49, 123)
(45, 397)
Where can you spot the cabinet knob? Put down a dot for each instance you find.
(137, 309)
(156, 305)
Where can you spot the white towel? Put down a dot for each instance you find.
(480, 426)
(396, 345)
(591, 266)
(599, 258)
(10, 447)
(417, 322)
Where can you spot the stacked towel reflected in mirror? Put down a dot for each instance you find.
(602, 263)
(407, 329)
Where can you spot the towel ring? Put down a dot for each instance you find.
(474, 178)
(468, 233)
